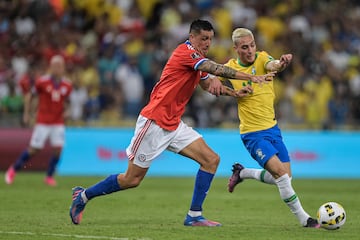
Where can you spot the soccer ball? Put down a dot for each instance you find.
(331, 215)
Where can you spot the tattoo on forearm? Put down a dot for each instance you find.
(217, 69)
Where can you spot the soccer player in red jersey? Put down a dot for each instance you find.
(159, 126)
(27, 86)
(53, 90)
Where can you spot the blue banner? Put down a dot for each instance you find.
(92, 151)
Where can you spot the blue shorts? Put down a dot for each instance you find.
(262, 145)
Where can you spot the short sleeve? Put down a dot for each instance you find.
(188, 56)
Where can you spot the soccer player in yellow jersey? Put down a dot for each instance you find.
(258, 126)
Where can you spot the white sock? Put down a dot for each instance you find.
(194, 213)
(289, 196)
(83, 196)
(258, 174)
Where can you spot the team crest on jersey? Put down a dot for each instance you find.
(141, 157)
(63, 90)
(195, 55)
(253, 70)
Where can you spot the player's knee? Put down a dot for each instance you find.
(33, 151)
(276, 168)
(212, 162)
(57, 151)
(279, 172)
(216, 160)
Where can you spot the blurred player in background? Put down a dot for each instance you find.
(258, 126)
(159, 125)
(53, 90)
(27, 86)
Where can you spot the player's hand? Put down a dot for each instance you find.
(263, 78)
(245, 91)
(215, 87)
(285, 60)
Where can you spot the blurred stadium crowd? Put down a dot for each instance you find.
(115, 50)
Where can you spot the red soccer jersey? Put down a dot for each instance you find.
(175, 87)
(52, 97)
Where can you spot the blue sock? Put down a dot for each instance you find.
(106, 186)
(24, 157)
(202, 185)
(52, 165)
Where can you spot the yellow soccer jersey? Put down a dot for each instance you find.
(256, 111)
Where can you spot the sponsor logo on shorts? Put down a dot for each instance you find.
(141, 157)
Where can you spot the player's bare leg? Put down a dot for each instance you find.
(277, 173)
(132, 177)
(280, 172)
(209, 161)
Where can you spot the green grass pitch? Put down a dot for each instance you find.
(156, 209)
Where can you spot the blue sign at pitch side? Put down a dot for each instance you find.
(90, 151)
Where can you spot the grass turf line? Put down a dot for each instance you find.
(156, 210)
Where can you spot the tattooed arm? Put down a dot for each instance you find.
(227, 72)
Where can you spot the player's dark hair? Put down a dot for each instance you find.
(198, 25)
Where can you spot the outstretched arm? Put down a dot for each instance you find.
(227, 72)
(279, 65)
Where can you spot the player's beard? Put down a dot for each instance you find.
(204, 52)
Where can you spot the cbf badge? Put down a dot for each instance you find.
(253, 71)
(260, 153)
